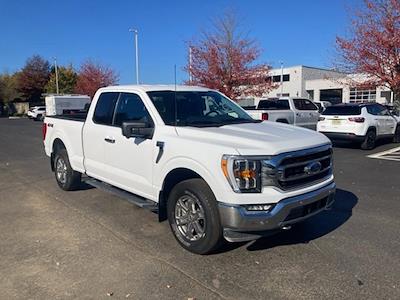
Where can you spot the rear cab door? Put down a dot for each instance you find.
(99, 120)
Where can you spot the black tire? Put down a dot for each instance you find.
(396, 138)
(37, 118)
(369, 140)
(203, 198)
(66, 177)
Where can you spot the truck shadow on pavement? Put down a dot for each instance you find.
(314, 227)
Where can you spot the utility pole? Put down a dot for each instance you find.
(281, 78)
(56, 71)
(136, 53)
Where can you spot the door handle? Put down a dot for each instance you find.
(109, 140)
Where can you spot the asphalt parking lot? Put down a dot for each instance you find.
(91, 245)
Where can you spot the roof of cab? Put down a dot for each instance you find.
(158, 87)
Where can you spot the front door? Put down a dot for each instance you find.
(130, 160)
(390, 122)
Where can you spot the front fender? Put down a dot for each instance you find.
(214, 178)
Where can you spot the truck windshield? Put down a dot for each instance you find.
(199, 109)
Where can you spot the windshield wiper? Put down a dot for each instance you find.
(242, 121)
(204, 124)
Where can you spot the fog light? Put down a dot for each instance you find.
(259, 207)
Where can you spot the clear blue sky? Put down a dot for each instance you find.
(296, 32)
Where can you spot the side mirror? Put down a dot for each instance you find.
(138, 129)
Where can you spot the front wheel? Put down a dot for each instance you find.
(369, 140)
(193, 216)
(66, 177)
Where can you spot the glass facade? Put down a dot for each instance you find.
(362, 95)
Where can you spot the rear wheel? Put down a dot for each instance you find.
(66, 177)
(396, 138)
(369, 140)
(193, 216)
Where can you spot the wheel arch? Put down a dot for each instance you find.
(56, 145)
(372, 128)
(172, 178)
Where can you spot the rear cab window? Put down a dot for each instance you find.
(104, 111)
(342, 111)
(274, 104)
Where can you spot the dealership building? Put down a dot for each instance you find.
(320, 84)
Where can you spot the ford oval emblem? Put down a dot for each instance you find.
(313, 168)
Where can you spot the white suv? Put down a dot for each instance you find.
(364, 123)
(37, 113)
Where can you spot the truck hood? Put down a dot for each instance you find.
(266, 138)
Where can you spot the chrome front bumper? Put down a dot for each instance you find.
(242, 225)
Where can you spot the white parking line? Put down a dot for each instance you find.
(391, 154)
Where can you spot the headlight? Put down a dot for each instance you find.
(243, 174)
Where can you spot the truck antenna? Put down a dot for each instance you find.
(175, 103)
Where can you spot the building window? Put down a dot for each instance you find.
(387, 95)
(310, 94)
(358, 95)
(277, 78)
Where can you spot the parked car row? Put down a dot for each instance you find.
(364, 123)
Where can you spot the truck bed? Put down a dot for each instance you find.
(80, 117)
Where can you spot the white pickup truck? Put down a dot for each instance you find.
(295, 111)
(196, 158)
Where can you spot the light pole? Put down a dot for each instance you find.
(190, 64)
(56, 71)
(136, 53)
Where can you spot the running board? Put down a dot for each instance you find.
(131, 198)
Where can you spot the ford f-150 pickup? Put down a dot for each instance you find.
(197, 159)
(296, 111)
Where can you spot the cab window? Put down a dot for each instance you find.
(130, 108)
(103, 113)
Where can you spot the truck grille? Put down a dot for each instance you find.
(301, 168)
